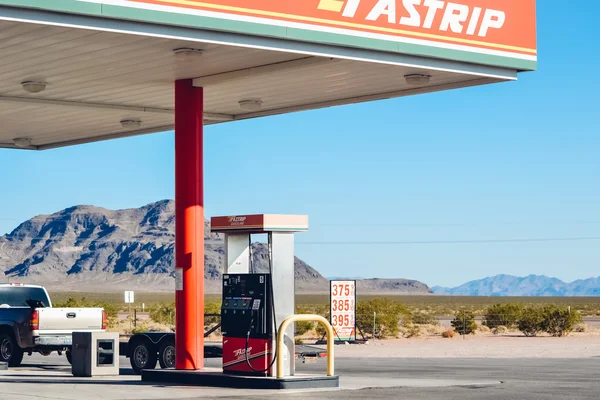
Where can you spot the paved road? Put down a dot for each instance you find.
(522, 379)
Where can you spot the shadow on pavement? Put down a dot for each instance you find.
(73, 381)
(60, 368)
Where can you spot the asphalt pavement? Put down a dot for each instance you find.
(361, 378)
(522, 379)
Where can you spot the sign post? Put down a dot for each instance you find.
(343, 310)
(129, 299)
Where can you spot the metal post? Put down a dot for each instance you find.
(189, 226)
(374, 323)
(280, 345)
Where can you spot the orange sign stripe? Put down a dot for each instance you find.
(201, 5)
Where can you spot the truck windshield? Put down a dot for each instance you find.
(15, 296)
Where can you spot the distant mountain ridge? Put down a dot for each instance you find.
(532, 285)
(385, 286)
(87, 248)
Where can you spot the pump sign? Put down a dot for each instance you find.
(343, 309)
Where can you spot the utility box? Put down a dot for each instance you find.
(95, 354)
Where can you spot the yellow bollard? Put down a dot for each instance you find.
(304, 317)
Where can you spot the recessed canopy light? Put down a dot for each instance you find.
(187, 53)
(22, 142)
(417, 79)
(34, 86)
(250, 105)
(131, 123)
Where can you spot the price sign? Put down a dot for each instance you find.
(343, 309)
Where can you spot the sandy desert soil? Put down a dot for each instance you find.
(478, 346)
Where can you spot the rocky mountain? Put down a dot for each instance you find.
(87, 245)
(386, 286)
(532, 285)
(86, 248)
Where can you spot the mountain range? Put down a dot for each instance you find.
(87, 248)
(532, 285)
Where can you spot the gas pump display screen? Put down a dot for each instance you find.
(343, 309)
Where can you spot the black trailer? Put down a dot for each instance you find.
(146, 349)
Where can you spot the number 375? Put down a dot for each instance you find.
(342, 290)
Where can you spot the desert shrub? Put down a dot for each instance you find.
(449, 334)
(559, 321)
(422, 318)
(580, 328)
(319, 330)
(140, 328)
(318, 309)
(304, 326)
(299, 341)
(464, 322)
(412, 331)
(531, 321)
(432, 329)
(503, 315)
(387, 320)
(163, 313)
(212, 307)
(71, 302)
(483, 329)
(323, 311)
(500, 330)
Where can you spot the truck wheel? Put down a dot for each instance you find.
(10, 352)
(166, 355)
(143, 356)
(69, 356)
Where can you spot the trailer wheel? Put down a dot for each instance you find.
(10, 352)
(166, 355)
(69, 356)
(143, 356)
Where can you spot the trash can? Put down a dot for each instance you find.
(95, 354)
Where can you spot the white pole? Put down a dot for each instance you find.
(374, 323)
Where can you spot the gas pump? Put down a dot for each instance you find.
(247, 324)
(253, 302)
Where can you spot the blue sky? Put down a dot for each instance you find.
(507, 161)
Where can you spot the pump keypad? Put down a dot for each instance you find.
(246, 306)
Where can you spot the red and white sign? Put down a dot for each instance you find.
(234, 355)
(507, 26)
(343, 309)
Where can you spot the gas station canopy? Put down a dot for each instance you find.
(77, 71)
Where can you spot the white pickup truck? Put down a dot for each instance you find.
(29, 324)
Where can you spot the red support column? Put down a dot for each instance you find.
(189, 226)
